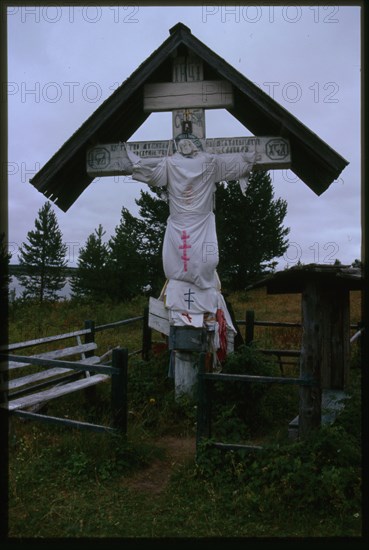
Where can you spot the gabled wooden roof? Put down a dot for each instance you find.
(295, 279)
(64, 177)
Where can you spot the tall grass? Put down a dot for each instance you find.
(66, 483)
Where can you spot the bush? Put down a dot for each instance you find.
(311, 476)
(243, 410)
(152, 401)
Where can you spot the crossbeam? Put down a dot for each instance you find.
(112, 160)
(206, 94)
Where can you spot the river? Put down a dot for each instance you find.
(15, 285)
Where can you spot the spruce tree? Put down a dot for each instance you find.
(154, 213)
(250, 230)
(91, 278)
(127, 265)
(43, 258)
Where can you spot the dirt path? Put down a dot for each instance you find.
(155, 478)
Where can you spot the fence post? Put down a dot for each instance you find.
(203, 403)
(249, 330)
(310, 361)
(91, 392)
(89, 337)
(119, 385)
(146, 335)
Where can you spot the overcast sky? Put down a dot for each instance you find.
(64, 62)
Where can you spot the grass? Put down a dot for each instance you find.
(66, 483)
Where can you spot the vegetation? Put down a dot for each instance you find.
(90, 278)
(66, 483)
(242, 221)
(43, 257)
(132, 258)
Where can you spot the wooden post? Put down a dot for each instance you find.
(203, 402)
(249, 330)
(310, 361)
(90, 337)
(90, 392)
(335, 321)
(119, 385)
(238, 340)
(146, 335)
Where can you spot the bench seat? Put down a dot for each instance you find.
(54, 392)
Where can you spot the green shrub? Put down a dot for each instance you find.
(242, 409)
(318, 474)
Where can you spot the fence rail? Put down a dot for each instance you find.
(116, 369)
(250, 322)
(118, 373)
(309, 383)
(116, 324)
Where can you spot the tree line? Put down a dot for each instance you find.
(250, 233)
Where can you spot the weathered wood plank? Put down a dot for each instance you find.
(280, 352)
(119, 388)
(63, 421)
(311, 359)
(158, 316)
(110, 159)
(117, 324)
(276, 324)
(55, 392)
(83, 365)
(333, 401)
(205, 94)
(35, 377)
(236, 447)
(45, 340)
(257, 379)
(43, 375)
(56, 354)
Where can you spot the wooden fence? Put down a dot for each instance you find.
(309, 381)
(313, 398)
(250, 323)
(58, 380)
(310, 402)
(118, 373)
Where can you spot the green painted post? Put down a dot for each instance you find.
(249, 331)
(91, 392)
(203, 403)
(90, 337)
(146, 335)
(119, 394)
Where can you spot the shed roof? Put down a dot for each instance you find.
(294, 279)
(63, 178)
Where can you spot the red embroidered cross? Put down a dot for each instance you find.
(184, 247)
(188, 316)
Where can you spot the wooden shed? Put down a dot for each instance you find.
(325, 351)
(325, 308)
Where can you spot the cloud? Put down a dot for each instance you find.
(64, 62)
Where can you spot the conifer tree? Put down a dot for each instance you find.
(91, 278)
(43, 258)
(154, 213)
(250, 230)
(127, 263)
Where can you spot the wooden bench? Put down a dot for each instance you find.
(27, 393)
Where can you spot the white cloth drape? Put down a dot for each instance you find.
(190, 249)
